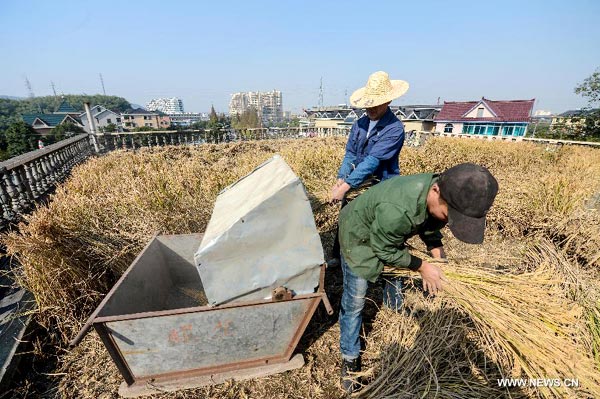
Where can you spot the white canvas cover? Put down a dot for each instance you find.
(261, 235)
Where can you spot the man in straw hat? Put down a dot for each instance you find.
(375, 226)
(372, 152)
(374, 142)
(376, 139)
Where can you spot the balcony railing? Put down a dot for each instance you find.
(132, 140)
(28, 178)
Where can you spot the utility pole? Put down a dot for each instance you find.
(346, 97)
(321, 94)
(53, 88)
(29, 89)
(102, 82)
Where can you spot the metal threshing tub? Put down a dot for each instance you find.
(162, 330)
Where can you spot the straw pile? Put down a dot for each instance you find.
(525, 304)
(527, 324)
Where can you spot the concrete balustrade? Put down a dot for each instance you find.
(28, 178)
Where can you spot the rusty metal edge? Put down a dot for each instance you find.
(308, 314)
(115, 354)
(324, 297)
(144, 315)
(176, 375)
(93, 317)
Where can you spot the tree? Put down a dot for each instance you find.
(590, 88)
(143, 129)
(247, 120)
(111, 127)
(199, 125)
(64, 131)
(20, 138)
(213, 118)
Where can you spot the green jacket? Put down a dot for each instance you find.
(375, 226)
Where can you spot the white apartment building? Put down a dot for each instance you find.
(172, 105)
(268, 104)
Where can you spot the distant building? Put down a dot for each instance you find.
(172, 105)
(571, 119)
(187, 118)
(485, 117)
(414, 117)
(269, 105)
(140, 117)
(330, 117)
(418, 118)
(102, 118)
(44, 123)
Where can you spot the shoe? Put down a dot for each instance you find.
(349, 383)
(333, 263)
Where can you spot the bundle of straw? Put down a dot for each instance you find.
(523, 322)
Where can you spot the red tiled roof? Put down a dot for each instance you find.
(506, 111)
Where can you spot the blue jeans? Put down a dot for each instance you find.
(353, 302)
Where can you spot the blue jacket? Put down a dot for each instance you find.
(377, 155)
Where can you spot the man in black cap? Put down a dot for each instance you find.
(375, 226)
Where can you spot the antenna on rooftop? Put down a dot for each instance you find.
(102, 81)
(321, 93)
(53, 88)
(29, 89)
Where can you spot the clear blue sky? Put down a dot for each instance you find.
(204, 51)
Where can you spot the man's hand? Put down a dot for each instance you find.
(438, 253)
(339, 190)
(432, 277)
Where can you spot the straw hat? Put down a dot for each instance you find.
(379, 90)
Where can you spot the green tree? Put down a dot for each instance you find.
(213, 117)
(111, 127)
(20, 138)
(143, 129)
(214, 126)
(199, 125)
(64, 131)
(294, 122)
(589, 128)
(247, 120)
(590, 88)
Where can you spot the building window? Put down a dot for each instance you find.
(118, 120)
(480, 112)
(148, 124)
(448, 128)
(108, 120)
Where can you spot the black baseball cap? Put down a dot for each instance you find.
(469, 190)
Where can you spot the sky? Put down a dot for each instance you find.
(202, 52)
